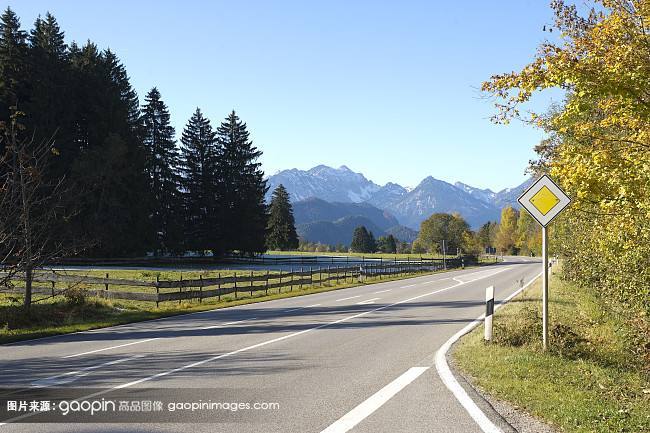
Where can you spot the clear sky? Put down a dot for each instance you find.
(388, 88)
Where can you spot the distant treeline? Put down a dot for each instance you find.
(132, 188)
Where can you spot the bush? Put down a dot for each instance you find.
(76, 295)
(524, 329)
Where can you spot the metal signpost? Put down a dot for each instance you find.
(544, 200)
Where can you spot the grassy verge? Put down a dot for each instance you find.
(589, 381)
(61, 314)
(366, 255)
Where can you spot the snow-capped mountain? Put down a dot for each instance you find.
(409, 206)
(485, 195)
(327, 183)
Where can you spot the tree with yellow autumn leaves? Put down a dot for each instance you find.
(598, 145)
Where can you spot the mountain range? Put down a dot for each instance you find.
(328, 201)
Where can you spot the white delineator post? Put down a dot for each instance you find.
(489, 312)
(544, 287)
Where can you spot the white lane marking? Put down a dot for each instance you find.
(71, 376)
(245, 349)
(368, 301)
(410, 285)
(111, 347)
(374, 402)
(311, 306)
(450, 381)
(221, 325)
(383, 291)
(284, 337)
(345, 299)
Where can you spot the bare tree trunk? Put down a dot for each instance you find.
(29, 276)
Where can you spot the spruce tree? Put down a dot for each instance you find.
(199, 156)
(281, 231)
(13, 65)
(241, 190)
(391, 244)
(162, 165)
(50, 109)
(360, 240)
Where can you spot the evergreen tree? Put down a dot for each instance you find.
(106, 159)
(362, 241)
(13, 65)
(241, 190)
(162, 165)
(372, 243)
(199, 156)
(281, 232)
(391, 244)
(50, 85)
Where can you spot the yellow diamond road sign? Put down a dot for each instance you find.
(544, 200)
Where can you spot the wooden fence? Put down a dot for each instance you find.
(241, 282)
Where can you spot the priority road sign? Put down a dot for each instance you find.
(544, 200)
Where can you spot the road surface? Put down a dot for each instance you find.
(358, 359)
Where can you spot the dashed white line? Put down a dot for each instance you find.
(111, 347)
(383, 291)
(254, 346)
(410, 285)
(345, 299)
(71, 376)
(368, 301)
(374, 402)
(311, 306)
(221, 325)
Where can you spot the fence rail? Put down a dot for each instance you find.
(245, 282)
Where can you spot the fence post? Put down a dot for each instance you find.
(267, 282)
(320, 277)
(311, 277)
(291, 281)
(235, 285)
(201, 289)
(219, 287)
(301, 277)
(251, 284)
(157, 290)
(106, 284)
(280, 283)
(180, 289)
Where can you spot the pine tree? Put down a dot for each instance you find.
(241, 190)
(391, 244)
(49, 79)
(162, 166)
(13, 65)
(361, 241)
(281, 232)
(199, 156)
(371, 245)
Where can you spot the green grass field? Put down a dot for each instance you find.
(591, 379)
(65, 314)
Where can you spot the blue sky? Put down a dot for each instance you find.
(386, 88)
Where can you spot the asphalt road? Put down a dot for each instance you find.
(358, 359)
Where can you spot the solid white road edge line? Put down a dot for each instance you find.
(375, 401)
(254, 346)
(450, 381)
(285, 337)
(111, 347)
